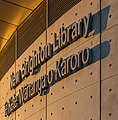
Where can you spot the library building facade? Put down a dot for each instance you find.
(60, 62)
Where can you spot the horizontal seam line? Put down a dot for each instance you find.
(73, 93)
(17, 5)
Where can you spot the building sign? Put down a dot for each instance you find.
(66, 36)
(64, 67)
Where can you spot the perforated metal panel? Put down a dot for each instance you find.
(7, 56)
(32, 28)
(56, 8)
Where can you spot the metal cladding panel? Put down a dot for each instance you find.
(2, 115)
(32, 28)
(2, 42)
(110, 98)
(109, 64)
(39, 115)
(78, 80)
(40, 41)
(57, 8)
(5, 91)
(113, 12)
(83, 104)
(35, 104)
(74, 15)
(6, 30)
(7, 56)
(35, 107)
(12, 13)
(26, 3)
(69, 98)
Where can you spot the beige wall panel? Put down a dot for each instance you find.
(38, 102)
(40, 115)
(85, 77)
(40, 41)
(6, 93)
(35, 46)
(32, 78)
(76, 46)
(27, 110)
(91, 41)
(2, 115)
(69, 17)
(110, 98)
(113, 14)
(33, 105)
(109, 64)
(83, 105)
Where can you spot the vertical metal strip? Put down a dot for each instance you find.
(15, 58)
(16, 45)
(47, 14)
(100, 63)
(46, 43)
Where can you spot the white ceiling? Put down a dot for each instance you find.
(12, 14)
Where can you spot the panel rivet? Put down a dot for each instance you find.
(110, 40)
(110, 65)
(62, 87)
(75, 80)
(91, 73)
(91, 96)
(110, 16)
(75, 102)
(109, 114)
(110, 89)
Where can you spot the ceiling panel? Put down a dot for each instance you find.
(2, 43)
(12, 13)
(6, 30)
(32, 4)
